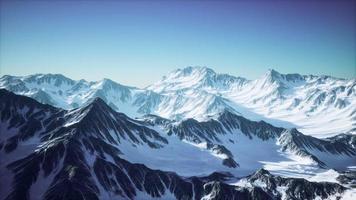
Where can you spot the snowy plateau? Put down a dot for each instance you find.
(194, 134)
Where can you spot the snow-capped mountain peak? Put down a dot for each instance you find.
(94, 152)
(287, 100)
(56, 80)
(196, 77)
(107, 83)
(273, 77)
(189, 71)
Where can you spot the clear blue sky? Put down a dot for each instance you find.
(137, 42)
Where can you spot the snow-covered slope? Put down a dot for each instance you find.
(196, 78)
(317, 105)
(100, 153)
(320, 106)
(60, 91)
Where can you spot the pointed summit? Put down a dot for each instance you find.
(273, 76)
(273, 72)
(108, 83)
(99, 102)
(262, 172)
(98, 105)
(196, 78)
(93, 112)
(261, 175)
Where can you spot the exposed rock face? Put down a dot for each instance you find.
(59, 154)
(295, 188)
(288, 100)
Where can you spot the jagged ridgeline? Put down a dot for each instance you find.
(286, 100)
(94, 152)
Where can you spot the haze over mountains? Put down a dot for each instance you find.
(321, 106)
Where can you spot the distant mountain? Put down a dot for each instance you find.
(321, 106)
(94, 152)
(317, 105)
(60, 91)
(196, 78)
(300, 101)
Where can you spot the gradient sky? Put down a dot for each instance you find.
(137, 42)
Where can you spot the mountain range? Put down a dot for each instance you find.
(94, 152)
(320, 106)
(195, 134)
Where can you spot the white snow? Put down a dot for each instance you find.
(292, 103)
(316, 105)
(312, 104)
(349, 194)
(177, 156)
(194, 159)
